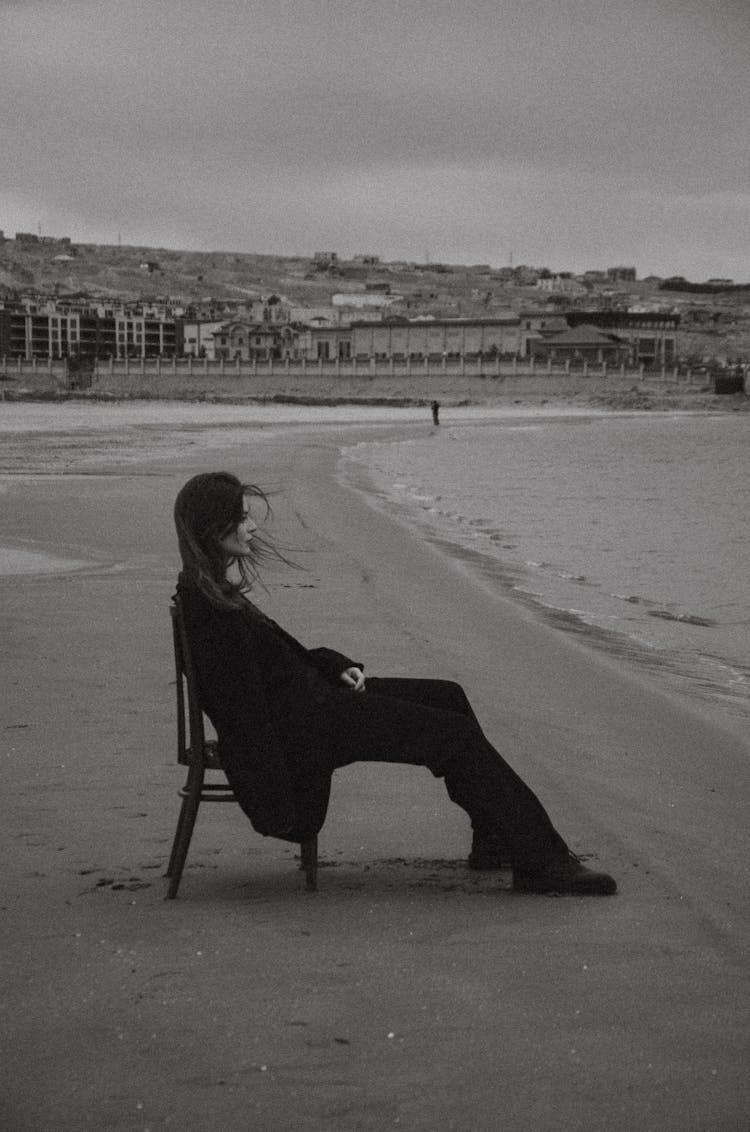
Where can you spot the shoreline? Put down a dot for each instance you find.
(636, 399)
(512, 580)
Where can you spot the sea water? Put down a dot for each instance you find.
(633, 529)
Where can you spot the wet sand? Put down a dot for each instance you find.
(407, 992)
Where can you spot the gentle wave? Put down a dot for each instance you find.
(632, 529)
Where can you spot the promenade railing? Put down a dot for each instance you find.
(57, 370)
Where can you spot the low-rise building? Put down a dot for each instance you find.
(650, 335)
(417, 340)
(594, 276)
(563, 284)
(622, 274)
(325, 342)
(525, 276)
(272, 309)
(260, 342)
(581, 344)
(310, 315)
(436, 338)
(360, 300)
(196, 337)
(536, 324)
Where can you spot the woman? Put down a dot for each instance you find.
(286, 716)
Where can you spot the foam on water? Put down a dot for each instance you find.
(634, 529)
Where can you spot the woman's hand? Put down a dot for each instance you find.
(354, 678)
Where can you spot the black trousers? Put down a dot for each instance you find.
(431, 723)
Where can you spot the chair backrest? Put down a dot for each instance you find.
(191, 741)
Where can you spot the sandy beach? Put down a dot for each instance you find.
(407, 992)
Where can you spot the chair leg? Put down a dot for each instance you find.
(185, 826)
(176, 841)
(181, 849)
(309, 863)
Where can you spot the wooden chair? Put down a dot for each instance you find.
(199, 755)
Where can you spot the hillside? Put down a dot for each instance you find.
(189, 276)
(711, 326)
(182, 276)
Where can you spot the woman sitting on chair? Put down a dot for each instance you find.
(286, 716)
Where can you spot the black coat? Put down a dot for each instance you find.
(267, 697)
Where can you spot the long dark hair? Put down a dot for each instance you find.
(206, 509)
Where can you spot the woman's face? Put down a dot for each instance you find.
(236, 543)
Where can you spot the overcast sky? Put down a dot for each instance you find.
(572, 134)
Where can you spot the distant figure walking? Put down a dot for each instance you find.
(435, 406)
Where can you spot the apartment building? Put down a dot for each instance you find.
(46, 329)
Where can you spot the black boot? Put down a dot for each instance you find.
(568, 877)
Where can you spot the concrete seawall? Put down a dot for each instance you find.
(366, 383)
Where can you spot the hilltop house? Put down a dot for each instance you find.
(363, 299)
(562, 284)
